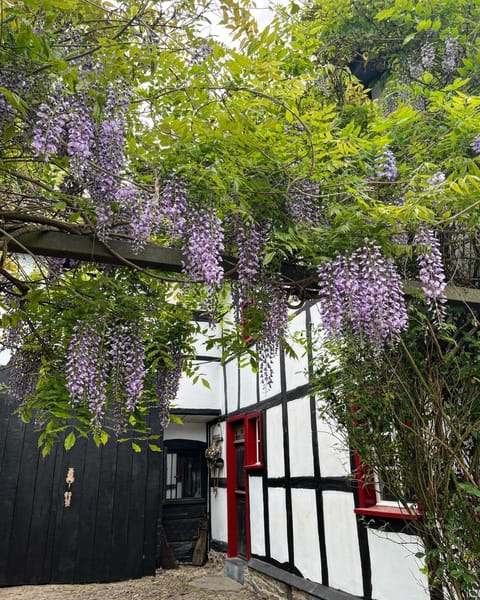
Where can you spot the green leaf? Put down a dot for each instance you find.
(70, 441)
(136, 447)
(154, 448)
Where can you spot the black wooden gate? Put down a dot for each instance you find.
(109, 530)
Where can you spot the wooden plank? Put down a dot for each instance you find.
(68, 518)
(56, 511)
(84, 562)
(136, 517)
(10, 472)
(453, 293)
(102, 548)
(153, 499)
(84, 247)
(121, 511)
(41, 511)
(19, 567)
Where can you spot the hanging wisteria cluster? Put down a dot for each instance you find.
(386, 166)
(109, 362)
(432, 274)
(251, 239)
(273, 301)
(87, 368)
(361, 294)
(167, 382)
(302, 202)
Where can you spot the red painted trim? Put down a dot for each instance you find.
(366, 484)
(232, 532)
(253, 441)
(252, 426)
(389, 512)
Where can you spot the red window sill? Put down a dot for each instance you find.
(254, 466)
(389, 512)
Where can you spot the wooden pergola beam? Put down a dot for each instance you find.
(87, 248)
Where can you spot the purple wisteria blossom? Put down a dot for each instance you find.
(127, 363)
(110, 160)
(451, 55)
(427, 55)
(167, 381)
(386, 166)
(173, 206)
(250, 239)
(25, 369)
(362, 294)
(475, 144)
(432, 274)
(273, 301)
(204, 247)
(302, 202)
(87, 369)
(436, 179)
(48, 133)
(81, 135)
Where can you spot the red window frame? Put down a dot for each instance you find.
(253, 460)
(367, 497)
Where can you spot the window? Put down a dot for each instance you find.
(375, 499)
(253, 441)
(183, 475)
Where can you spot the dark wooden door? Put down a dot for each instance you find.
(109, 530)
(185, 495)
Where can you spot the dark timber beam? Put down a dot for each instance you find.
(87, 248)
(84, 247)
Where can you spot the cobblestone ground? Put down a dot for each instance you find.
(185, 583)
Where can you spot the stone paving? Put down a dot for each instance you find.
(185, 583)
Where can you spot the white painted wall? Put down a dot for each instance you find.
(306, 546)
(395, 569)
(300, 438)
(296, 369)
(278, 524)
(257, 519)
(231, 375)
(192, 395)
(275, 460)
(341, 538)
(218, 515)
(276, 385)
(186, 431)
(333, 453)
(248, 387)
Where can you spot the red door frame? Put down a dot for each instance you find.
(231, 487)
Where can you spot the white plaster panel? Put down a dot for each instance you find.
(257, 522)
(276, 386)
(305, 534)
(296, 369)
(201, 339)
(278, 524)
(248, 386)
(218, 511)
(333, 452)
(341, 538)
(395, 569)
(186, 431)
(196, 395)
(276, 464)
(300, 437)
(231, 374)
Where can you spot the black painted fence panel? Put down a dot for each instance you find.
(107, 533)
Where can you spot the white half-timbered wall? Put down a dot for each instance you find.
(302, 518)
